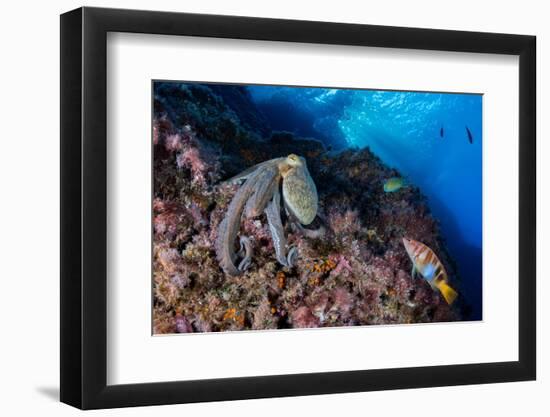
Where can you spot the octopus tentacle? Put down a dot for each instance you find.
(263, 191)
(230, 225)
(273, 214)
(292, 255)
(247, 173)
(246, 253)
(309, 233)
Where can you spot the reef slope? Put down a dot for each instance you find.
(357, 274)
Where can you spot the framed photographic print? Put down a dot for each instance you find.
(258, 208)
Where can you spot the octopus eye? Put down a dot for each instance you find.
(293, 159)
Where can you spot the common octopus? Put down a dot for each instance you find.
(259, 192)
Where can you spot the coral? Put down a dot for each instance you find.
(357, 273)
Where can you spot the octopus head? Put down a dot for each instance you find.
(294, 160)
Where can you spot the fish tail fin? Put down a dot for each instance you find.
(448, 293)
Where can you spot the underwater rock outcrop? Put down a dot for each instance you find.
(356, 273)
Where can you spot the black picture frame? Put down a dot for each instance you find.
(84, 207)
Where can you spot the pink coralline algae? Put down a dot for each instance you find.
(183, 325)
(191, 159)
(342, 266)
(303, 317)
(356, 273)
(173, 143)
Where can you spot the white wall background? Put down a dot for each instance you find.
(29, 209)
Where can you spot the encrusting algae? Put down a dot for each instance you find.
(326, 251)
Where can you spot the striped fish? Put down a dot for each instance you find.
(427, 264)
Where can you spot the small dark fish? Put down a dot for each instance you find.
(470, 136)
(441, 132)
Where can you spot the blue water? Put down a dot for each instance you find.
(404, 130)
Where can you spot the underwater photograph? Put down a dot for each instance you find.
(282, 207)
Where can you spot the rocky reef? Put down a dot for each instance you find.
(358, 273)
